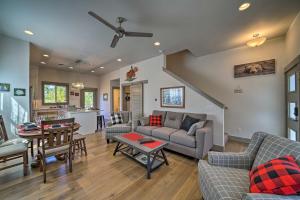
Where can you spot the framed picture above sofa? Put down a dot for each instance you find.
(172, 97)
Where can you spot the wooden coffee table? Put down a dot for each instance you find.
(150, 155)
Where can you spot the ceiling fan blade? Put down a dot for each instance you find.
(114, 41)
(103, 21)
(137, 34)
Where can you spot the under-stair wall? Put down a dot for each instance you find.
(260, 106)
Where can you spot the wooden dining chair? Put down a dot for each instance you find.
(11, 150)
(56, 141)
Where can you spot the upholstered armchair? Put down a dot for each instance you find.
(117, 129)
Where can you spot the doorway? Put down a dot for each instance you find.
(116, 99)
(88, 98)
(292, 91)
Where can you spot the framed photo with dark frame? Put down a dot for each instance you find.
(172, 97)
(19, 92)
(4, 87)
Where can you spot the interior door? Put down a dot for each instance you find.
(116, 99)
(136, 102)
(292, 103)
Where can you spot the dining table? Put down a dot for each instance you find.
(36, 134)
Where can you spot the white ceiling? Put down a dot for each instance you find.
(64, 30)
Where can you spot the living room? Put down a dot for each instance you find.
(198, 79)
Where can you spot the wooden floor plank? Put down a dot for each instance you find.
(101, 175)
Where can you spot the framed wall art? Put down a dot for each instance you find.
(19, 92)
(172, 97)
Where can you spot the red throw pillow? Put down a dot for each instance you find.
(155, 120)
(278, 176)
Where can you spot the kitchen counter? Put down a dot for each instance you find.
(86, 118)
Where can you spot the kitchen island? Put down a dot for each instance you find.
(86, 118)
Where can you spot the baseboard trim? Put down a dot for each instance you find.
(239, 139)
(218, 148)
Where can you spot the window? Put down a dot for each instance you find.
(292, 135)
(291, 110)
(55, 93)
(88, 98)
(292, 83)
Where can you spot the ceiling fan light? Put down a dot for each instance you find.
(256, 41)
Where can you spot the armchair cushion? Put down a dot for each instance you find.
(118, 128)
(12, 149)
(222, 183)
(258, 196)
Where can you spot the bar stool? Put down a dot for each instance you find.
(79, 144)
(100, 121)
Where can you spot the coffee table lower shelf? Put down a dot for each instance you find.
(150, 161)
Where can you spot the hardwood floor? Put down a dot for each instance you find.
(100, 175)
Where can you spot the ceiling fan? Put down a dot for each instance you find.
(120, 32)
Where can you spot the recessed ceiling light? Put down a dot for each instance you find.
(43, 63)
(101, 67)
(119, 60)
(244, 6)
(70, 67)
(28, 32)
(46, 55)
(156, 44)
(92, 71)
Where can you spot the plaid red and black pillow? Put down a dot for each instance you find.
(155, 120)
(278, 176)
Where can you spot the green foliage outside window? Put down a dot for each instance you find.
(55, 93)
(88, 99)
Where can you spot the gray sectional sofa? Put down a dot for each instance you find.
(226, 175)
(195, 146)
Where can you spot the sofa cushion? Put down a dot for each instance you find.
(188, 122)
(181, 137)
(116, 118)
(201, 117)
(222, 182)
(194, 127)
(163, 133)
(274, 147)
(155, 120)
(118, 128)
(147, 130)
(162, 113)
(173, 120)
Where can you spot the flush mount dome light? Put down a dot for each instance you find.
(119, 60)
(78, 85)
(46, 55)
(244, 6)
(43, 63)
(93, 71)
(28, 32)
(256, 41)
(101, 67)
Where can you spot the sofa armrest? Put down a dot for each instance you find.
(109, 124)
(257, 196)
(204, 139)
(228, 159)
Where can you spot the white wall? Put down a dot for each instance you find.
(14, 69)
(293, 39)
(151, 70)
(53, 75)
(261, 105)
